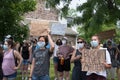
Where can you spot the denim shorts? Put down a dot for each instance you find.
(55, 60)
(14, 75)
(25, 62)
(44, 77)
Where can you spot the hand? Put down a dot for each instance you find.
(30, 78)
(82, 60)
(16, 68)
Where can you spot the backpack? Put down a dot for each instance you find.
(15, 59)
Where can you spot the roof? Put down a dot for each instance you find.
(69, 31)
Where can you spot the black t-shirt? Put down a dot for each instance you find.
(77, 62)
(25, 52)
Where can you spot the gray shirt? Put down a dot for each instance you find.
(42, 62)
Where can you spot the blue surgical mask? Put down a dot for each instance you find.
(5, 47)
(94, 43)
(80, 45)
(41, 44)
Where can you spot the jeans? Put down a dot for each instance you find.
(45, 77)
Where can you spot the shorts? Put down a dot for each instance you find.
(45, 77)
(55, 60)
(14, 75)
(25, 62)
(65, 66)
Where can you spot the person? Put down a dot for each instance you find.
(1, 60)
(9, 66)
(77, 74)
(41, 59)
(99, 75)
(113, 54)
(55, 58)
(26, 55)
(118, 59)
(64, 53)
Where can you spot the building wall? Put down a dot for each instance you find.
(42, 12)
(51, 14)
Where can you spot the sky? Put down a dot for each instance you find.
(74, 3)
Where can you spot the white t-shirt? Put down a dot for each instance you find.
(55, 50)
(108, 61)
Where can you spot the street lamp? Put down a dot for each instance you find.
(69, 21)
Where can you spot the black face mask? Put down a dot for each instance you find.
(109, 43)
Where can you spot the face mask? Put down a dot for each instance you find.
(63, 42)
(94, 43)
(5, 47)
(41, 44)
(80, 45)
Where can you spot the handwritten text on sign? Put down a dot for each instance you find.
(93, 60)
(58, 28)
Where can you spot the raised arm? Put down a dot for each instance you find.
(50, 42)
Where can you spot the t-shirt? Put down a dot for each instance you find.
(42, 62)
(25, 52)
(108, 61)
(77, 62)
(65, 50)
(55, 50)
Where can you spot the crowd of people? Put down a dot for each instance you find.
(33, 59)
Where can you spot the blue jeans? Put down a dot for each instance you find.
(45, 77)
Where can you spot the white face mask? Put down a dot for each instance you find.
(80, 45)
(63, 42)
(94, 43)
(41, 44)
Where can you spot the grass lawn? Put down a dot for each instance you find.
(51, 71)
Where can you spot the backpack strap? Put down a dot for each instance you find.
(15, 59)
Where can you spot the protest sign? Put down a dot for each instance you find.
(39, 27)
(93, 59)
(58, 28)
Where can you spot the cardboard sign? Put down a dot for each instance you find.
(58, 28)
(107, 34)
(93, 59)
(39, 28)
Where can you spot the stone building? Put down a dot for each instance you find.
(44, 13)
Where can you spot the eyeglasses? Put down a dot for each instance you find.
(80, 42)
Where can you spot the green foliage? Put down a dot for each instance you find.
(95, 14)
(11, 14)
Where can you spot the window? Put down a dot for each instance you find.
(47, 6)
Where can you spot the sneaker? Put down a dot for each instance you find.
(55, 79)
(22, 78)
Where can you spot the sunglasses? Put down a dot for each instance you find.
(80, 42)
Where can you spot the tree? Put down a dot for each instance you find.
(11, 14)
(95, 14)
